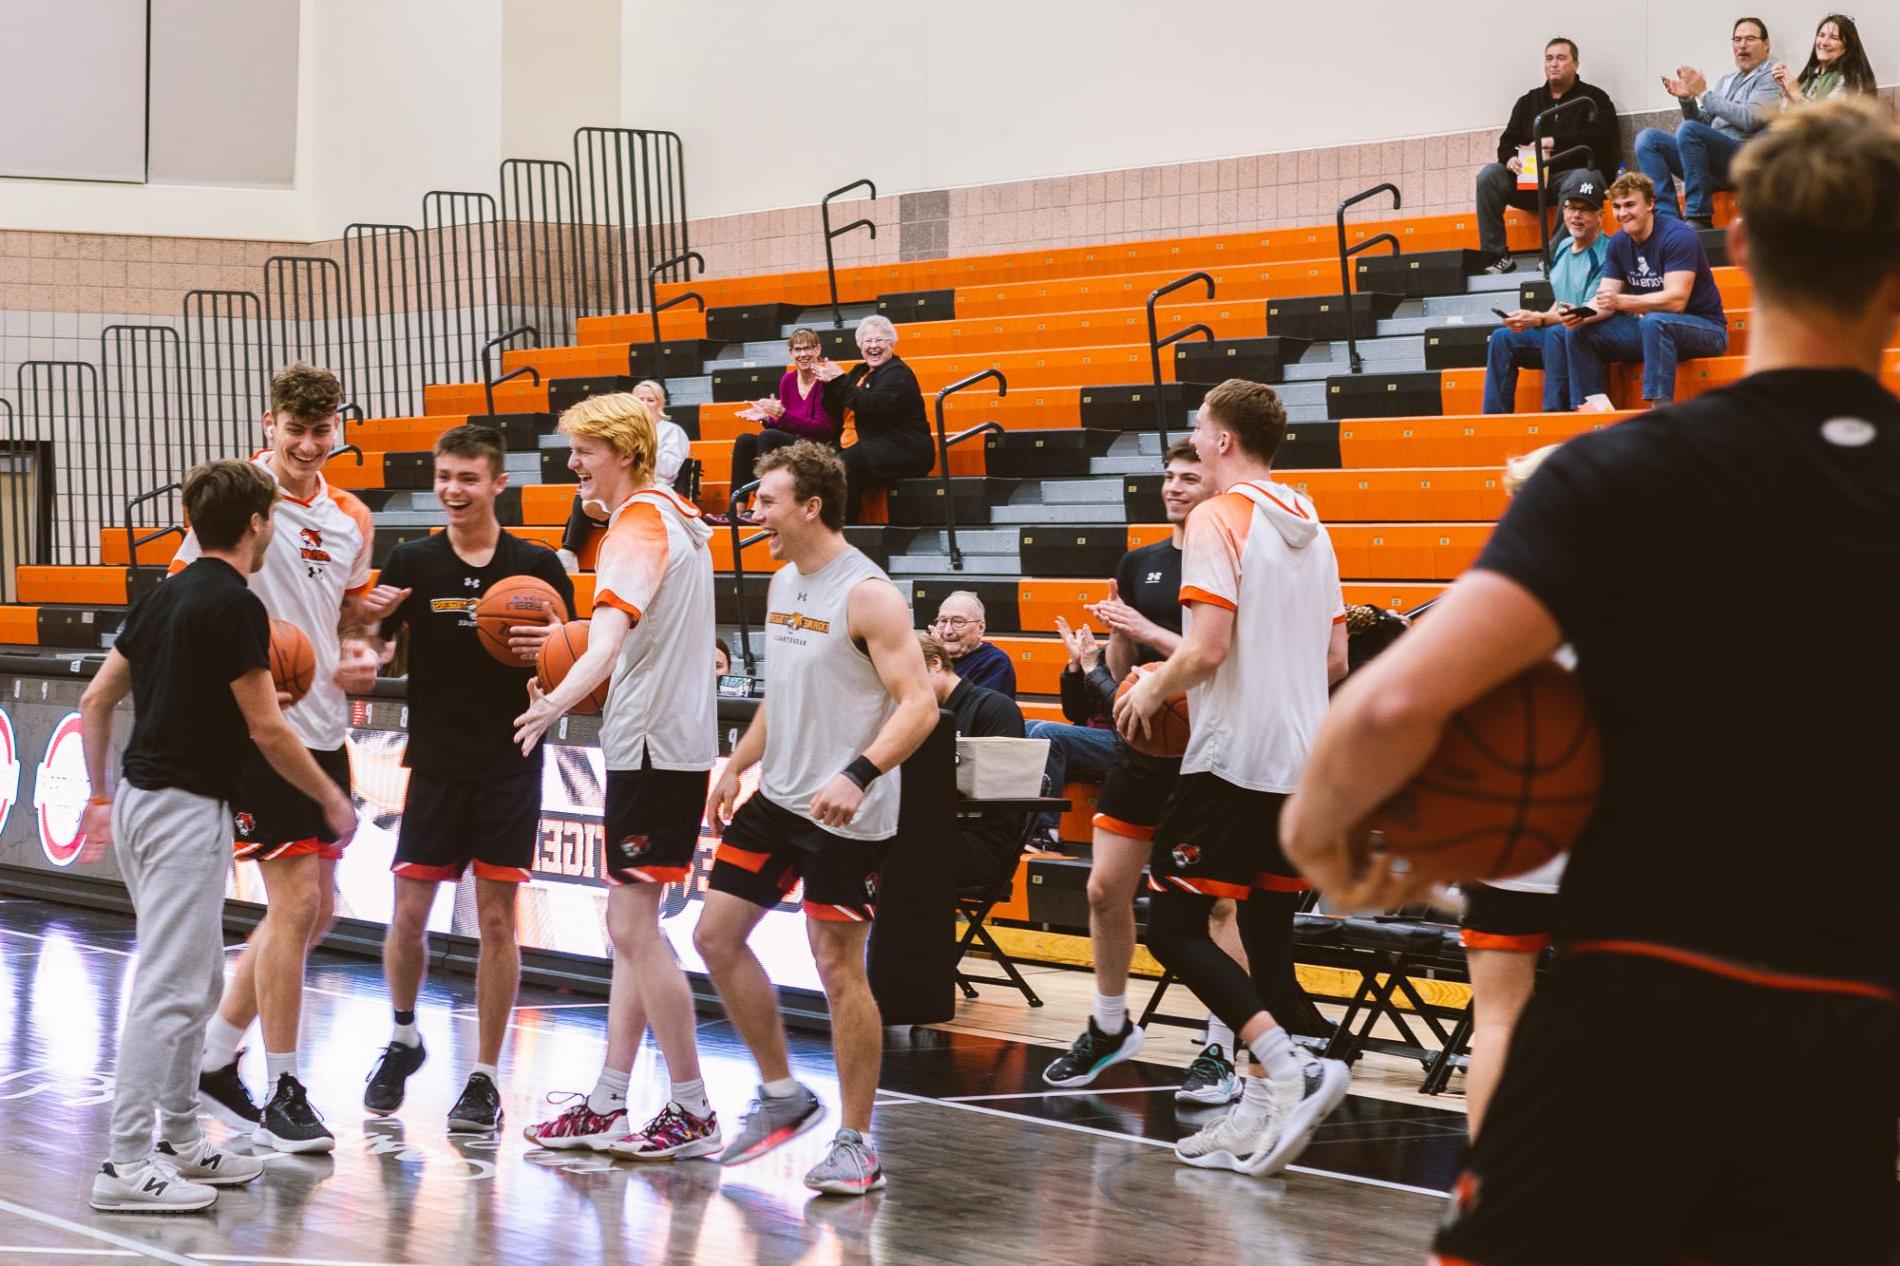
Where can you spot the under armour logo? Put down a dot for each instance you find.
(471, 582)
(1154, 577)
(1586, 187)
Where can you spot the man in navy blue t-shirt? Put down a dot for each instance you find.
(1657, 302)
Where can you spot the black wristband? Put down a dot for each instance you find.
(862, 772)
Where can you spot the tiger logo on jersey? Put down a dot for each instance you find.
(635, 845)
(1185, 855)
(870, 887)
(246, 824)
(310, 547)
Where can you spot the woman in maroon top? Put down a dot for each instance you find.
(798, 412)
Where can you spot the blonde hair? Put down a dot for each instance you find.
(933, 650)
(659, 389)
(1518, 470)
(622, 421)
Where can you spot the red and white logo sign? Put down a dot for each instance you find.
(9, 768)
(60, 792)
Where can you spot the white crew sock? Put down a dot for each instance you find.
(277, 1065)
(1274, 1050)
(1256, 1101)
(489, 1071)
(780, 1089)
(1218, 1034)
(610, 1092)
(691, 1095)
(221, 1044)
(1111, 1013)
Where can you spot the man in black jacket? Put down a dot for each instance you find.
(885, 434)
(986, 848)
(1497, 183)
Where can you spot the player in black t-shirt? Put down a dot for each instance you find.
(194, 657)
(473, 797)
(1730, 918)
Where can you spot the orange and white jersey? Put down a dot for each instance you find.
(655, 566)
(319, 553)
(1260, 551)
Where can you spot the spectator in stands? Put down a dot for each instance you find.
(987, 847)
(1497, 183)
(1533, 339)
(960, 624)
(675, 448)
(1656, 304)
(883, 431)
(796, 413)
(1837, 66)
(722, 657)
(1714, 124)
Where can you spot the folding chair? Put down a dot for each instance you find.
(974, 905)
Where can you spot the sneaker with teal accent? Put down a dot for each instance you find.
(1092, 1052)
(1210, 1079)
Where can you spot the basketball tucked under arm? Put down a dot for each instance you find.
(1203, 648)
(1386, 721)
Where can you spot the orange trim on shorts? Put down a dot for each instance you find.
(503, 874)
(1201, 887)
(1194, 593)
(1103, 822)
(836, 914)
(1504, 942)
(656, 874)
(1735, 971)
(256, 851)
(1271, 882)
(424, 874)
(1439, 1259)
(743, 858)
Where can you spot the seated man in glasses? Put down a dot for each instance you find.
(960, 626)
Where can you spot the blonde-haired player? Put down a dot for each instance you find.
(652, 630)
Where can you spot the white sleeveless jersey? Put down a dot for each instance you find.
(655, 566)
(824, 700)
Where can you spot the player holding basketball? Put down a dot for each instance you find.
(652, 632)
(849, 702)
(316, 576)
(1738, 881)
(473, 799)
(1264, 634)
(193, 656)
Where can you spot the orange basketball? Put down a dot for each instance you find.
(1168, 730)
(558, 653)
(293, 665)
(515, 600)
(1512, 784)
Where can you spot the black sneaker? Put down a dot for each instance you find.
(479, 1108)
(290, 1124)
(398, 1061)
(1092, 1052)
(1210, 1079)
(224, 1095)
(1501, 265)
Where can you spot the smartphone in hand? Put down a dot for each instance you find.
(1586, 312)
(1502, 314)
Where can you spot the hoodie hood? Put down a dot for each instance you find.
(1291, 514)
(691, 520)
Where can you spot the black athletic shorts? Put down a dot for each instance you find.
(767, 849)
(448, 823)
(653, 818)
(1133, 791)
(270, 819)
(1218, 840)
(1658, 1114)
(1506, 919)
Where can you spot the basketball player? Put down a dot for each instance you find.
(1143, 616)
(315, 576)
(473, 797)
(652, 631)
(1263, 636)
(848, 702)
(193, 655)
(1731, 907)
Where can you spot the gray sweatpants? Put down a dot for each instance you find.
(174, 850)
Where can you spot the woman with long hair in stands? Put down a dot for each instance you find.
(1837, 65)
(675, 448)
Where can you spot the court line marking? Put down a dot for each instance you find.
(1059, 1094)
(48, 940)
(67, 1252)
(107, 1237)
(40, 1249)
(1078, 1128)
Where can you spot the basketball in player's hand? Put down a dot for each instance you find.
(510, 601)
(293, 664)
(1512, 784)
(1167, 729)
(567, 644)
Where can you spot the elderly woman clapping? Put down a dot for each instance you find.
(885, 433)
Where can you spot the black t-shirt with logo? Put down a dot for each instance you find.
(463, 701)
(1149, 580)
(186, 642)
(1728, 572)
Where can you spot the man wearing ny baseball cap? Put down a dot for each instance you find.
(1529, 339)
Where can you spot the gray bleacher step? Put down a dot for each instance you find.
(522, 466)
(1104, 512)
(1127, 464)
(1302, 393)
(1469, 305)
(1419, 324)
(1067, 492)
(1306, 413)
(1490, 283)
(971, 540)
(410, 518)
(696, 390)
(998, 566)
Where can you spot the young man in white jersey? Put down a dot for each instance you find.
(848, 701)
(652, 631)
(315, 576)
(1263, 635)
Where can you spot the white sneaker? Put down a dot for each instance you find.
(1298, 1107)
(206, 1164)
(151, 1185)
(1239, 1138)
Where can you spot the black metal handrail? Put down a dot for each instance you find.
(831, 264)
(1156, 343)
(489, 381)
(133, 540)
(489, 385)
(1538, 128)
(943, 453)
(1353, 362)
(653, 274)
(739, 493)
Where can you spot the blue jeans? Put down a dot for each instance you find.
(1657, 339)
(1698, 154)
(1540, 348)
(1075, 751)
